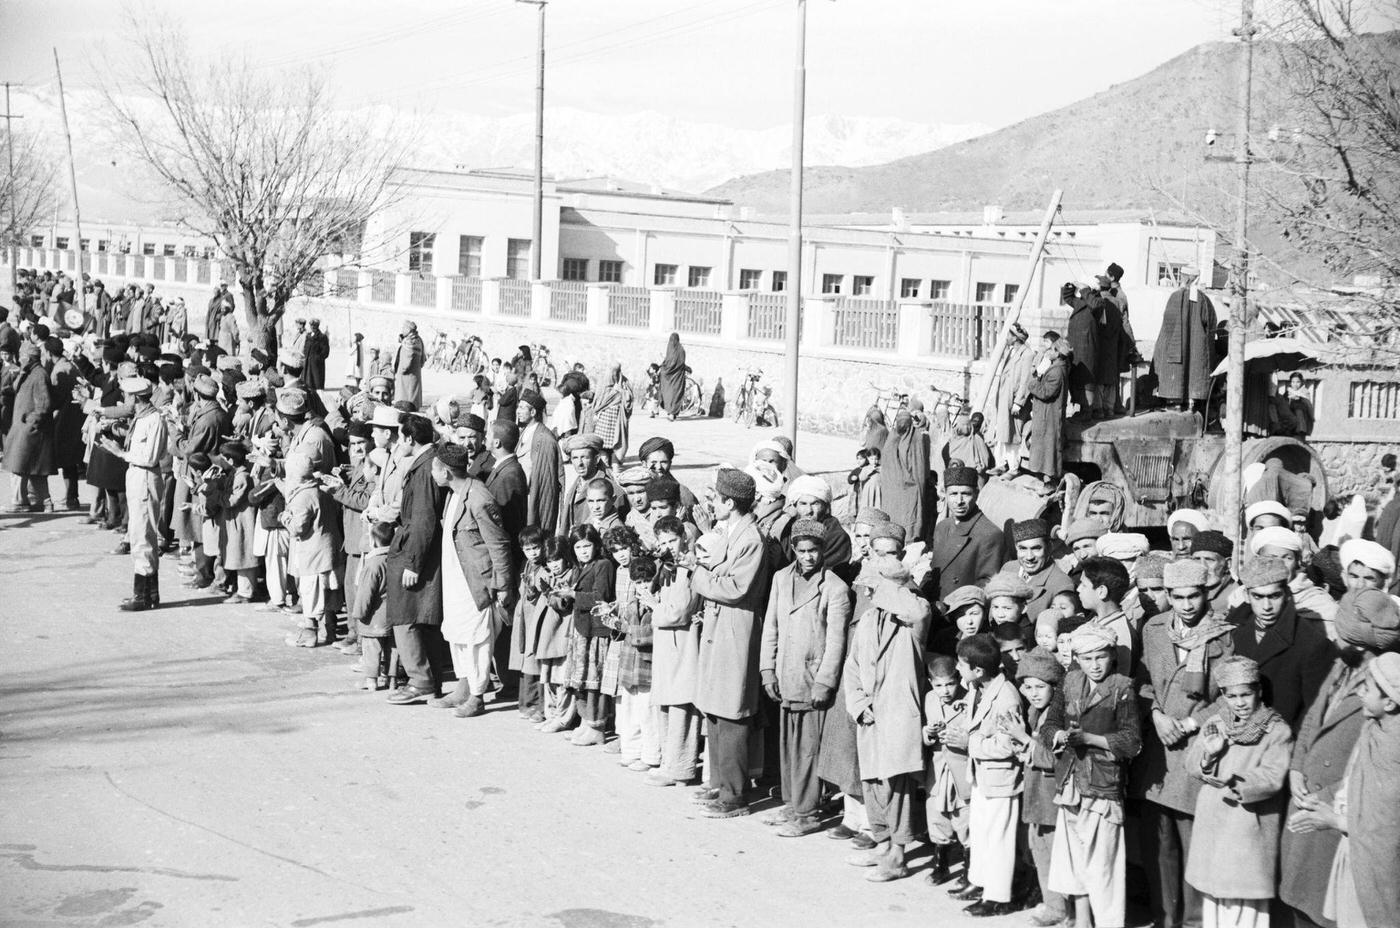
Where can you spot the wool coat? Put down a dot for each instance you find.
(68, 444)
(1321, 750)
(1160, 774)
(963, 553)
(1373, 820)
(1234, 843)
(483, 547)
(311, 531)
(240, 518)
(511, 490)
(1293, 656)
(1044, 585)
(29, 442)
(885, 673)
(804, 637)
(995, 769)
(1044, 434)
(675, 644)
(1082, 332)
(1183, 357)
(735, 593)
(542, 504)
(417, 546)
(1015, 382)
(408, 369)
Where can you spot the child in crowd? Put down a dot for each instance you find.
(524, 632)
(637, 737)
(864, 479)
(1047, 629)
(966, 611)
(996, 776)
(1040, 676)
(593, 589)
(602, 511)
(1007, 595)
(1242, 758)
(1068, 604)
(369, 609)
(202, 476)
(270, 540)
(1103, 583)
(1101, 735)
(239, 517)
(311, 552)
(1011, 639)
(556, 633)
(675, 656)
(945, 779)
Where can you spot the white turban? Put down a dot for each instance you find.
(1267, 507)
(1372, 556)
(769, 444)
(1275, 536)
(766, 479)
(808, 486)
(1190, 517)
(1123, 546)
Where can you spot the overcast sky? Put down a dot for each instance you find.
(723, 61)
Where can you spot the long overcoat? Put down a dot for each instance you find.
(1043, 435)
(417, 546)
(735, 593)
(1183, 353)
(885, 673)
(1293, 657)
(804, 638)
(963, 553)
(29, 443)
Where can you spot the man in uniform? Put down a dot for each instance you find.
(144, 448)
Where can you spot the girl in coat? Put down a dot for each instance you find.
(524, 632)
(239, 519)
(1242, 759)
(675, 656)
(630, 651)
(555, 585)
(593, 600)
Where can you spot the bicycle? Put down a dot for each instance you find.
(889, 401)
(543, 369)
(752, 405)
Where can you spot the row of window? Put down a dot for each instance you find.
(421, 245)
(148, 249)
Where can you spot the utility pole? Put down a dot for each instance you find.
(73, 178)
(1239, 306)
(794, 272)
(11, 252)
(537, 244)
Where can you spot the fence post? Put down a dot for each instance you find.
(539, 301)
(364, 292)
(819, 322)
(403, 289)
(915, 330)
(734, 318)
(148, 267)
(597, 306)
(491, 297)
(442, 300)
(663, 312)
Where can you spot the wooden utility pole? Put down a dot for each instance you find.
(11, 252)
(1239, 306)
(73, 178)
(1036, 252)
(537, 227)
(793, 323)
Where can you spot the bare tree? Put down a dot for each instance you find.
(29, 197)
(261, 162)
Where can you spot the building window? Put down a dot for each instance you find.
(1371, 399)
(610, 272)
(862, 286)
(518, 258)
(664, 275)
(169, 251)
(101, 244)
(939, 289)
(61, 243)
(698, 277)
(36, 241)
(909, 288)
(189, 251)
(986, 293)
(1168, 275)
(779, 282)
(575, 269)
(1008, 293)
(831, 283)
(469, 255)
(750, 279)
(147, 248)
(420, 251)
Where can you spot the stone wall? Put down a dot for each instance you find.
(1354, 467)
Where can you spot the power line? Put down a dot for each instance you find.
(458, 17)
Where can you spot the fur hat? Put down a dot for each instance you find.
(1183, 573)
(733, 483)
(1029, 530)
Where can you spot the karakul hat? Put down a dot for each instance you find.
(453, 455)
(474, 422)
(807, 528)
(1029, 530)
(733, 483)
(1040, 664)
(1263, 571)
(292, 402)
(872, 516)
(1369, 619)
(1214, 542)
(534, 400)
(809, 487)
(888, 530)
(1235, 670)
(1151, 565)
(1275, 536)
(1183, 573)
(960, 477)
(663, 489)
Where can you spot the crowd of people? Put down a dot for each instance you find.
(1064, 718)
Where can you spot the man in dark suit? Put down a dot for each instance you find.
(966, 546)
(539, 458)
(415, 560)
(506, 478)
(1293, 656)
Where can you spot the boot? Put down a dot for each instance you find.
(153, 590)
(939, 874)
(140, 596)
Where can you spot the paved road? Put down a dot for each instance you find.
(186, 768)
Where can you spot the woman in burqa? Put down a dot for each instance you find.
(904, 476)
(875, 429)
(611, 414)
(966, 445)
(672, 374)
